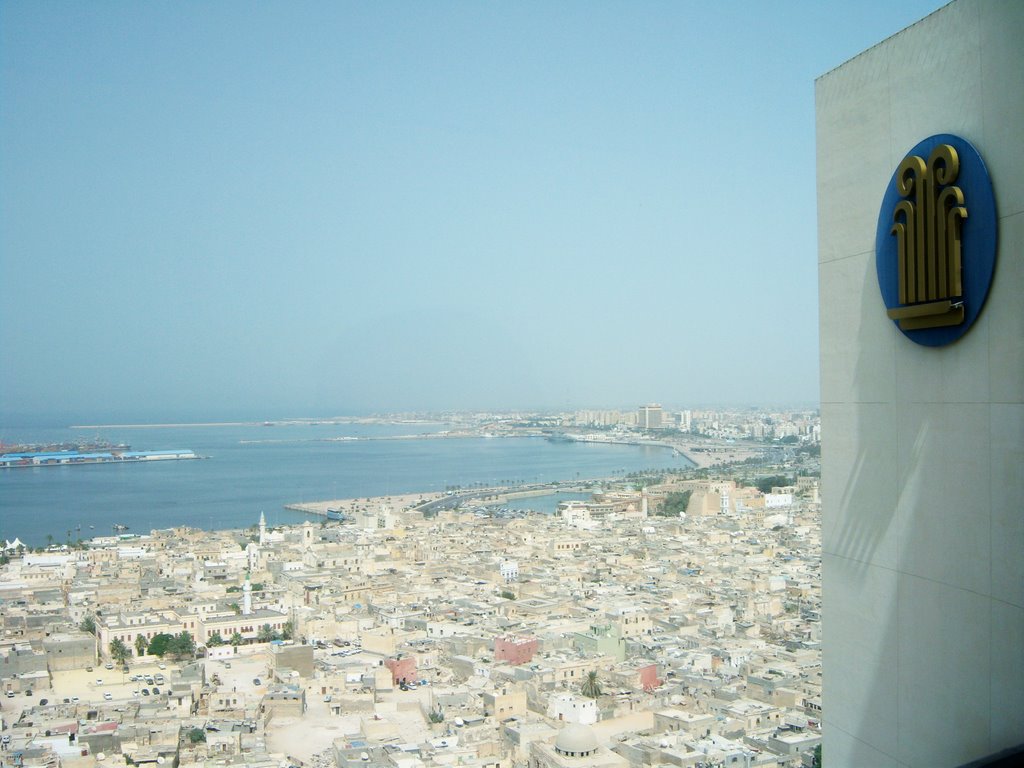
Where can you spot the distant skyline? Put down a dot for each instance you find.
(283, 209)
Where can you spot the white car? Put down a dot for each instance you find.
(108, 696)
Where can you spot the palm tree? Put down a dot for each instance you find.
(141, 645)
(591, 686)
(119, 652)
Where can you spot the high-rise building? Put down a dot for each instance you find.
(921, 275)
(649, 417)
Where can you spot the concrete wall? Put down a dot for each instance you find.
(922, 448)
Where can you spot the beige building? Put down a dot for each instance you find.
(649, 417)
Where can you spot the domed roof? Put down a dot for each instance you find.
(576, 738)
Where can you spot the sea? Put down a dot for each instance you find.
(254, 468)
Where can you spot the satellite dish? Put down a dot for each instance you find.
(161, 759)
(364, 755)
(460, 722)
(100, 756)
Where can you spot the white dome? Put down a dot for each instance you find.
(576, 739)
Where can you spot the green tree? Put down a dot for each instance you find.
(140, 646)
(237, 639)
(214, 640)
(159, 644)
(119, 652)
(196, 735)
(182, 646)
(675, 504)
(816, 761)
(288, 630)
(88, 625)
(765, 484)
(591, 686)
(266, 634)
(508, 595)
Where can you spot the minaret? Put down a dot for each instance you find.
(263, 529)
(247, 597)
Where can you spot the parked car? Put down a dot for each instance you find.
(108, 696)
(156, 691)
(145, 691)
(256, 681)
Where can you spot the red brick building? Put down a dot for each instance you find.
(515, 650)
(402, 669)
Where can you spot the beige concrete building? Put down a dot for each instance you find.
(923, 585)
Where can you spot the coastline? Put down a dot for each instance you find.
(398, 502)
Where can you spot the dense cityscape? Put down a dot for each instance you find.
(670, 616)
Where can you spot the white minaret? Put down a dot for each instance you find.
(643, 503)
(263, 529)
(247, 597)
(252, 551)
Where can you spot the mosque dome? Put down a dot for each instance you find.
(576, 740)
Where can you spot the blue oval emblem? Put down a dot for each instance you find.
(935, 248)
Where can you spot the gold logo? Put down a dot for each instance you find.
(927, 224)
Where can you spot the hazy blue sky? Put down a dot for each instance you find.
(226, 209)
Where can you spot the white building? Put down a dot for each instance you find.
(509, 570)
(572, 708)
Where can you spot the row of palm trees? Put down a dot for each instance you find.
(181, 645)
